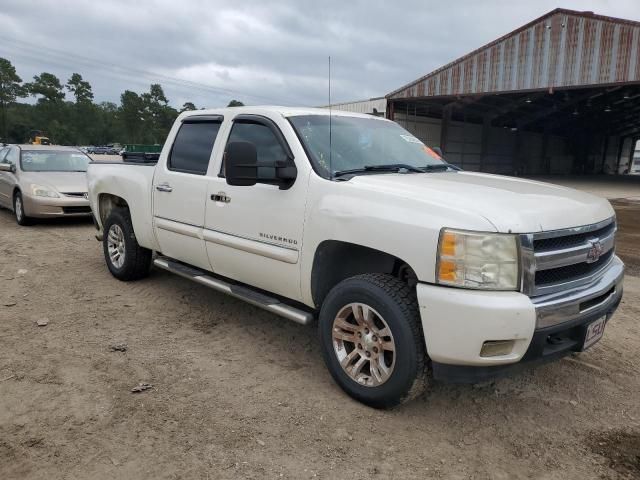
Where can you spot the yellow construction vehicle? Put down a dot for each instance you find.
(39, 139)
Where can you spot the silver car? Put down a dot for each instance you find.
(40, 181)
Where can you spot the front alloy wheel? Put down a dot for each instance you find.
(363, 344)
(18, 210)
(371, 338)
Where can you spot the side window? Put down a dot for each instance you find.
(268, 147)
(3, 153)
(192, 147)
(13, 156)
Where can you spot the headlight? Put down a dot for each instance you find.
(41, 191)
(478, 260)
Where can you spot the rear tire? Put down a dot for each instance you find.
(18, 210)
(371, 325)
(125, 258)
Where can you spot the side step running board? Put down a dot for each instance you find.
(253, 297)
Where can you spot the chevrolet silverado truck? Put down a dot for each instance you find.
(413, 269)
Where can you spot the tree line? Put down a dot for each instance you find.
(140, 118)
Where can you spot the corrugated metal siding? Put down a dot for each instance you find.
(560, 50)
(362, 106)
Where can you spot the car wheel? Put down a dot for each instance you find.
(125, 258)
(18, 210)
(371, 340)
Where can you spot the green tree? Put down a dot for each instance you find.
(10, 89)
(235, 103)
(158, 115)
(188, 107)
(48, 86)
(131, 115)
(81, 89)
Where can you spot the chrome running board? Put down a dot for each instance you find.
(247, 294)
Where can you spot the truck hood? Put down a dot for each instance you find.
(64, 182)
(511, 204)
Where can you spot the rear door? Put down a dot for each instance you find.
(180, 188)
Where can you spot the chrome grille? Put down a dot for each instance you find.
(562, 259)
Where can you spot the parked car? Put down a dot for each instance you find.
(104, 151)
(38, 181)
(404, 260)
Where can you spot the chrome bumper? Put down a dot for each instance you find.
(602, 296)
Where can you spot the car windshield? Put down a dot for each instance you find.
(365, 144)
(53, 161)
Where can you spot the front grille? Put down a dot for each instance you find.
(75, 194)
(568, 258)
(571, 272)
(568, 241)
(76, 209)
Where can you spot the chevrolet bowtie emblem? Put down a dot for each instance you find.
(595, 251)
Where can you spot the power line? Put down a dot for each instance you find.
(41, 53)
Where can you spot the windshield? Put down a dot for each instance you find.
(53, 161)
(359, 143)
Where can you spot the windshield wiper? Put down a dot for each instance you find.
(396, 167)
(438, 167)
(392, 167)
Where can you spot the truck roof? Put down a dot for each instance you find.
(284, 111)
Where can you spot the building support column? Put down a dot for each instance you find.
(444, 130)
(484, 142)
(546, 160)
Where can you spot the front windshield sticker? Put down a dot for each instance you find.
(411, 139)
(432, 153)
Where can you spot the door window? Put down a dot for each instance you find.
(268, 147)
(192, 147)
(13, 156)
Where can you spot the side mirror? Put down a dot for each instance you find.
(241, 164)
(438, 150)
(241, 168)
(7, 167)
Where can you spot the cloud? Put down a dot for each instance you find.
(255, 51)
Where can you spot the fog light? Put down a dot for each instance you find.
(495, 348)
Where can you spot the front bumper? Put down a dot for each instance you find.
(457, 322)
(45, 207)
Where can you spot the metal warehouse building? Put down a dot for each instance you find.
(558, 95)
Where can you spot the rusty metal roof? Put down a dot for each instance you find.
(561, 49)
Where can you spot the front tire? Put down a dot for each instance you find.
(18, 210)
(371, 340)
(125, 258)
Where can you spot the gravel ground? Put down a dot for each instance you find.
(240, 393)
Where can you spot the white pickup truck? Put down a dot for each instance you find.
(412, 268)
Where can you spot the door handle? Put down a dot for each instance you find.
(164, 187)
(220, 197)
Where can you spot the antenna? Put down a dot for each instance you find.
(330, 170)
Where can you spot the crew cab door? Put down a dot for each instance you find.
(179, 190)
(253, 234)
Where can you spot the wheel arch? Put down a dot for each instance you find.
(106, 203)
(336, 260)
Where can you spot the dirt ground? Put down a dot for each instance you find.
(240, 393)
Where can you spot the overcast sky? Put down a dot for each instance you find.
(259, 51)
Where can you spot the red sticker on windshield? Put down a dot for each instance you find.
(432, 153)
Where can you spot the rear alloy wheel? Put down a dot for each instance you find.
(126, 259)
(18, 210)
(115, 245)
(371, 339)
